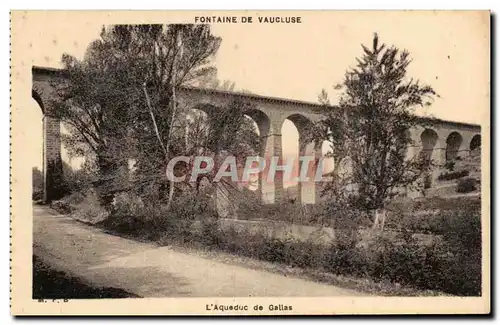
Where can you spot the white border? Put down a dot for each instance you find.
(187, 4)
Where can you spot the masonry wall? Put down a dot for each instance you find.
(52, 162)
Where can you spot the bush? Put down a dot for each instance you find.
(435, 215)
(128, 215)
(149, 218)
(37, 195)
(441, 266)
(430, 204)
(450, 165)
(280, 211)
(466, 185)
(260, 246)
(77, 180)
(451, 263)
(427, 181)
(453, 204)
(37, 184)
(324, 213)
(453, 175)
(85, 206)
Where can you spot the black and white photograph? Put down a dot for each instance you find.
(248, 160)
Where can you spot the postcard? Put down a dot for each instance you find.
(250, 162)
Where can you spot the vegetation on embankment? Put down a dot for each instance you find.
(450, 262)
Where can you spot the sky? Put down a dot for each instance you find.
(450, 52)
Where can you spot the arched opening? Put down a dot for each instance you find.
(290, 149)
(428, 138)
(47, 128)
(203, 119)
(475, 146)
(453, 143)
(34, 151)
(260, 121)
(262, 139)
(297, 142)
(208, 128)
(38, 99)
(256, 128)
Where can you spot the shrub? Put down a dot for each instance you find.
(324, 213)
(402, 260)
(37, 184)
(462, 227)
(148, 218)
(451, 263)
(434, 215)
(342, 216)
(427, 181)
(37, 195)
(128, 214)
(77, 180)
(466, 185)
(85, 206)
(55, 185)
(450, 165)
(61, 207)
(462, 235)
(344, 258)
(304, 214)
(440, 203)
(453, 175)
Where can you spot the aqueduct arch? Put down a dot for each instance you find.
(52, 162)
(263, 130)
(475, 145)
(428, 140)
(306, 147)
(268, 112)
(453, 143)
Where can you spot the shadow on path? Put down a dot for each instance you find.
(51, 284)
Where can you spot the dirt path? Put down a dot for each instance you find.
(147, 270)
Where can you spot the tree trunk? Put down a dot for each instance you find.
(174, 110)
(378, 219)
(162, 145)
(375, 219)
(170, 194)
(107, 174)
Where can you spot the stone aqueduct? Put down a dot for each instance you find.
(442, 141)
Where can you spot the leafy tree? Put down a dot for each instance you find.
(214, 83)
(323, 97)
(223, 131)
(369, 129)
(119, 101)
